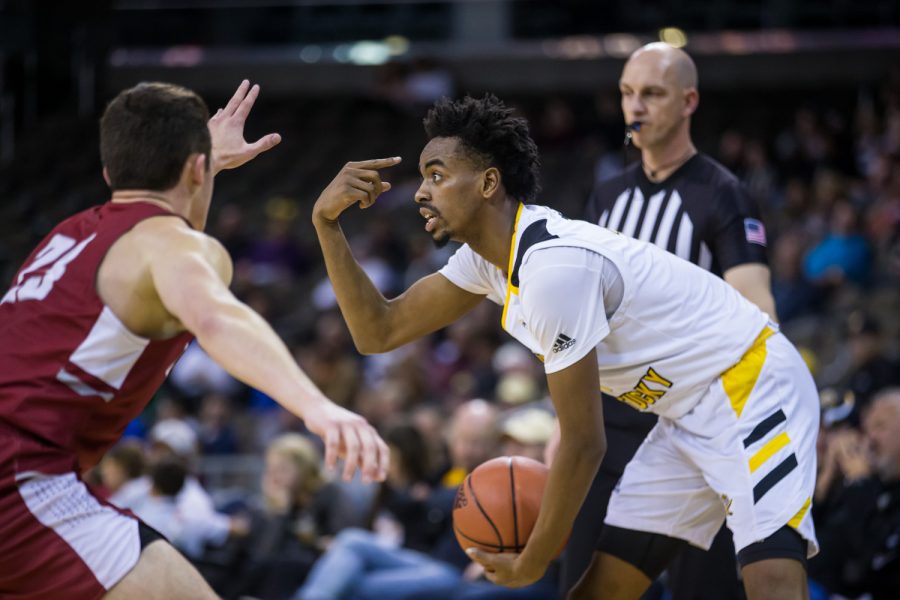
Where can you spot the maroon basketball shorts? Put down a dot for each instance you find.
(57, 540)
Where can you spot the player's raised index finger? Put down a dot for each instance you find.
(376, 163)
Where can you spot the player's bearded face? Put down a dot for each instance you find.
(441, 238)
(435, 223)
(447, 192)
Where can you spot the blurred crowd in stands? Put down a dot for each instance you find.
(237, 484)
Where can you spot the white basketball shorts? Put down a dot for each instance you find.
(745, 454)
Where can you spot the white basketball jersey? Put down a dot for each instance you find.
(675, 330)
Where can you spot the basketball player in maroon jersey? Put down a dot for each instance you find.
(94, 320)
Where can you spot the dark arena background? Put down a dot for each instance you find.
(799, 98)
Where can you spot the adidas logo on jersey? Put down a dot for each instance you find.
(562, 342)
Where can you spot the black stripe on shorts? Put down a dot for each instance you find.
(147, 535)
(775, 475)
(765, 426)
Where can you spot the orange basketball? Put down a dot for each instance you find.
(497, 504)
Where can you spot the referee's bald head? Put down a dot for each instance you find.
(677, 67)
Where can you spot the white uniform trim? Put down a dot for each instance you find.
(106, 540)
(80, 387)
(109, 351)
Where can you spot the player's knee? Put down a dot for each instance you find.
(649, 553)
(161, 573)
(775, 579)
(775, 568)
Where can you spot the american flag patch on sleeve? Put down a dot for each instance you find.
(755, 231)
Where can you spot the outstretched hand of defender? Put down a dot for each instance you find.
(358, 182)
(504, 568)
(229, 148)
(349, 436)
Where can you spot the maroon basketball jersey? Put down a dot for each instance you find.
(71, 375)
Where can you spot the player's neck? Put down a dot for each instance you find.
(494, 239)
(659, 163)
(150, 197)
(177, 204)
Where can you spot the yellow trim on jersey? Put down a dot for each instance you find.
(794, 523)
(510, 289)
(740, 379)
(765, 453)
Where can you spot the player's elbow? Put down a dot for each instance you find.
(207, 325)
(367, 349)
(596, 450)
(369, 345)
(373, 348)
(216, 319)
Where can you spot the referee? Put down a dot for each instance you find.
(692, 206)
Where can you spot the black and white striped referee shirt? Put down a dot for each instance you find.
(700, 213)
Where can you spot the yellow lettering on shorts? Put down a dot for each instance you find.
(643, 396)
(644, 389)
(634, 399)
(654, 377)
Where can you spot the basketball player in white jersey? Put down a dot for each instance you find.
(681, 200)
(738, 408)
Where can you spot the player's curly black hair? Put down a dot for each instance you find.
(493, 136)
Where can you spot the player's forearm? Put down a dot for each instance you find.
(764, 300)
(761, 297)
(568, 483)
(576, 396)
(364, 308)
(752, 281)
(242, 343)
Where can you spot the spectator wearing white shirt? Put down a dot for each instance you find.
(199, 523)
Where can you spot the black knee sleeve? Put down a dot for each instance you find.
(784, 543)
(649, 552)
